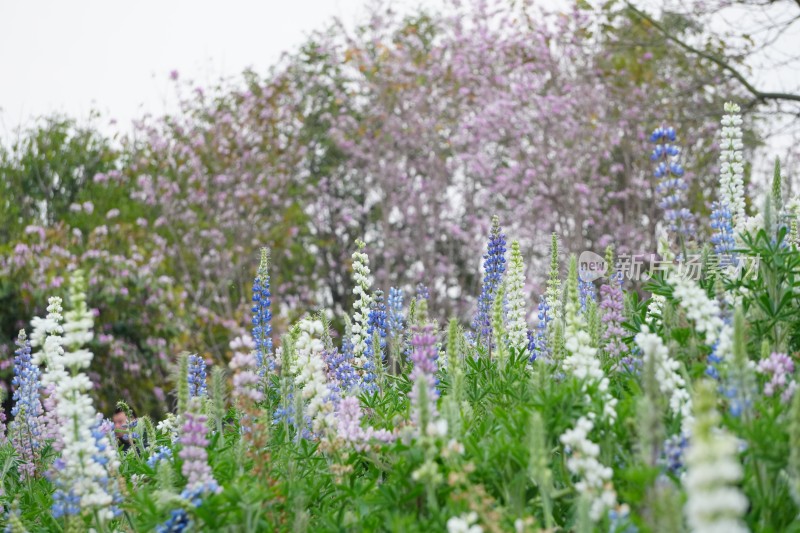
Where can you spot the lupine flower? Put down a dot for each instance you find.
(178, 522)
(464, 524)
(262, 316)
(515, 298)
(197, 377)
(376, 323)
(88, 460)
(361, 308)
(340, 368)
(712, 471)
(494, 266)
(586, 291)
(668, 376)
(697, 306)
(162, 453)
(395, 312)
(423, 393)
(612, 305)
(553, 292)
(723, 238)
(539, 346)
(731, 179)
(25, 430)
(674, 452)
(245, 367)
(671, 185)
(582, 361)
(594, 478)
(779, 367)
(193, 452)
(423, 293)
(348, 425)
(310, 375)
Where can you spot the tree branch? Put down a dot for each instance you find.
(758, 95)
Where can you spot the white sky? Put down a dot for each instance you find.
(115, 56)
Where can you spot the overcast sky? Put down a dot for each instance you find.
(115, 56)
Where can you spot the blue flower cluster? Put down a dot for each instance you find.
(376, 321)
(102, 443)
(395, 310)
(262, 316)
(422, 292)
(178, 522)
(538, 341)
(671, 185)
(494, 265)
(340, 365)
(722, 238)
(674, 451)
(586, 290)
(197, 376)
(27, 398)
(162, 453)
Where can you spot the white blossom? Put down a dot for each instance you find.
(311, 379)
(515, 287)
(698, 307)
(731, 178)
(668, 377)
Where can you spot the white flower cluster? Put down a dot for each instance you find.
(515, 286)
(731, 179)
(654, 308)
(362, 284)
(582, 361)
(169, 426)
(309, 370)
(713, 469)
(594, 478)
(464, 524)
(86, 466)
(670, 382)
(699, 308)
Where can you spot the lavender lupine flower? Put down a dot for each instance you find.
(612, 305)
(25, 430)
(723, 237)
(195, 457)
(779, 367)
(494, 262)
(731, 179)
(671, 185)
(197, 377)
(395, 313)
(423, 393)
(348, 425)
(262, 316)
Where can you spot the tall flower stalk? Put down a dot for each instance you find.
(25, 430)
(731, 165)
(494, 265)
(262, 316)
(361, 308)
(517, 328)
(671, 185)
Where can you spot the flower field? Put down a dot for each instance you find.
(475, 271)
(668, 408)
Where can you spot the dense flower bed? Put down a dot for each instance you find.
(610, 412)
